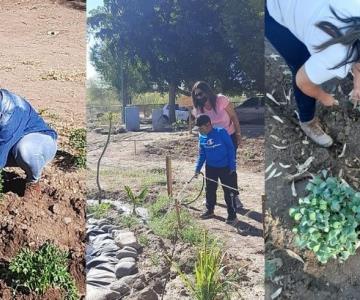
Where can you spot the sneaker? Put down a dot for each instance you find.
(232, 221)
(32, 189)
(314, 131)
(207, 214)
(238, 203)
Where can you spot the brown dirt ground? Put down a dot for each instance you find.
(121, 166)
(310, 280)
(43, 59)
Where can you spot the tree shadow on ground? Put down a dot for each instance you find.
(76, 4)
(258, 217)
(65, 161)
(13, 182)
(241, 227)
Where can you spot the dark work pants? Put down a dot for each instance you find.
(295, 54)
(234, 140)
(224, 175)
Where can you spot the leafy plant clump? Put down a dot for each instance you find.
(99, 210)
(77, 140)
(328, 219)
(37, 271)
(209, 282)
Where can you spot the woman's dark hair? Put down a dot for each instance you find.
(205, 88)
(351, 37)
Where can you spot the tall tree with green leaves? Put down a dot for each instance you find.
(243, 24)
(169, 44)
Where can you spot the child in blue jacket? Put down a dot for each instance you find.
(217, 150)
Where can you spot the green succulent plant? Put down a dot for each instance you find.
(328, 218)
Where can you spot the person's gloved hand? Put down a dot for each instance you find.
(196, 175)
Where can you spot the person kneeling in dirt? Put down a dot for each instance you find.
(26, 141)
(319, 40)
(217, 150)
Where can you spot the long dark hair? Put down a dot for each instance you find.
(205, 88)
(351, 37)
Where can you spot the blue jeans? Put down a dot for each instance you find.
(31, 153)
(295, 54)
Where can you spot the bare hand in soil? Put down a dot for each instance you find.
(355, 97)
(328, 100)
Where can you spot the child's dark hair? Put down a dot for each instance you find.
(202, 120)
(347, 35)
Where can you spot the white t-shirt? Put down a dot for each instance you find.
(301, 17)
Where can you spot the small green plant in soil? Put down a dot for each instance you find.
(99, 210)
(136, 200)
(77, 140)
(210, 282)
(328, 219)
(155, 259)
(143, 240)
(163, 221)
(128, 221)
(179, 125)
(40, 270)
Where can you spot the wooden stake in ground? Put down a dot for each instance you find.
(170, 188)
(169, 180)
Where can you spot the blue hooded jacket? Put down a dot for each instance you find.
(217, 149)
(17, 119)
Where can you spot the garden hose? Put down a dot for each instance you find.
(201, 190)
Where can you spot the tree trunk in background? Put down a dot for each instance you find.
(124, 92)
(172, 96)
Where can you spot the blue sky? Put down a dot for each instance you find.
(91, 4)
(90, 70)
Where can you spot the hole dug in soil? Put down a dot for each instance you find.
(57, 216)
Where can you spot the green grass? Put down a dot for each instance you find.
(143, 240)
(128, 221)
(38, 271)
(99, 210)
(139, 178)
(163, 221)
(146, 178)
